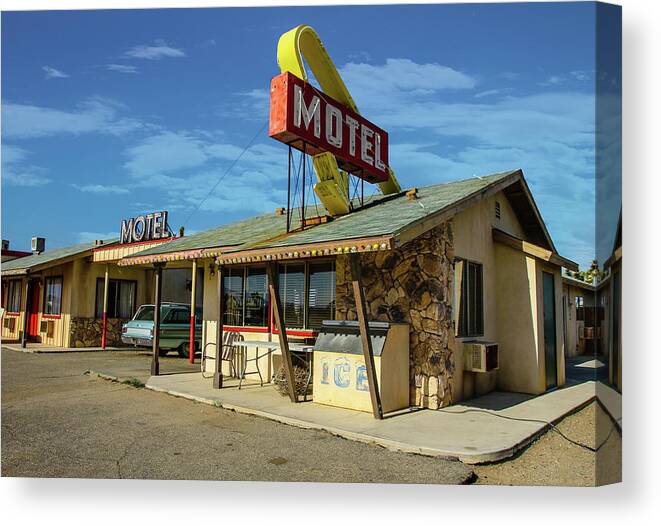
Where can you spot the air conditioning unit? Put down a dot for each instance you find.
(38, 245)
(480, 357)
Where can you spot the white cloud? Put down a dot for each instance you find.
(165, 152)
(400, 80)
(186, 165)
(156, 51)
(101, 189)
(121, 68)
(488, 93)
(16, 172)
(169, 152)
(94, 115)
(52, 73)
(88, 237)
(553, 80)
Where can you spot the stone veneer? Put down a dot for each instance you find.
(86, 332)
(412, 284)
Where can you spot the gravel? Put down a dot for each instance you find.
(551, 460)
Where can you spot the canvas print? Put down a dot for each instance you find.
(313, 244)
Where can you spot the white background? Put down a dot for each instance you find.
(636, 501)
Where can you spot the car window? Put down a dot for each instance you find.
(177, 316)
(145, 313)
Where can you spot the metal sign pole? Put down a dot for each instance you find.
(282, 331)
(218, 374)
(359, 295)
(158, 283)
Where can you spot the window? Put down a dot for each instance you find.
(321, 294)
(233, 289)
(53, 296)
(291, 285)
(579, 301)
(307, 293)
(14, 296)
(497, 209)
(145, 313)
(256, 298)
(469, 306)
(121, 298)
(178, 316)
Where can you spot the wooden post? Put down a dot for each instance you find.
(359, 295)
(158, 282)
(104, 321)
(218, 374)
(24, 334)
(191, 340)
(282, 331)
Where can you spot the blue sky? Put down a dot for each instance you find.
(107, 114)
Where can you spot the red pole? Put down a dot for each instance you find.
(191, 342)
(103, 331)
(105, 308)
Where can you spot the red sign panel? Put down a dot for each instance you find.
(307, 119)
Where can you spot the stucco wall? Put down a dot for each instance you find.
(512, 302)
(474, 242)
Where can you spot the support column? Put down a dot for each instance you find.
(218, 368)
(158, 282)
(106, 283)
(361, 310)
(191, 340)
(24, 334)
(282, 331)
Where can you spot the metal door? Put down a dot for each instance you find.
(550, 347)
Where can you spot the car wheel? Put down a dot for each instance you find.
(183, 350)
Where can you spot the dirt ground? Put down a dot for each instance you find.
(554, 461)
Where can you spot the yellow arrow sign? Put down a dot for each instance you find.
(303, 42)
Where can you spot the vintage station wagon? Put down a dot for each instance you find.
(175, 328)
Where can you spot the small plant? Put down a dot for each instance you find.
(133, 382)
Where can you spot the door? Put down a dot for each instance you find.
(550, 348)
(33, 310)
(616, 345)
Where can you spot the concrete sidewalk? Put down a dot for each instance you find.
(485, 429)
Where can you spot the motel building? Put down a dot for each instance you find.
(467, 268)
(57, 298)
(466, 271)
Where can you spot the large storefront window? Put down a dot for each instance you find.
(233, 288)
(14, 296)
(321, 294)
(469, 302)
(121, 298)
(291, 287)
(53, 297)
(307, 293)
(257, 298)
(306, 307)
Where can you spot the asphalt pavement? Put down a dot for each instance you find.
(58, 421)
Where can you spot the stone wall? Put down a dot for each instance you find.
(86, 332)
(412, 284)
